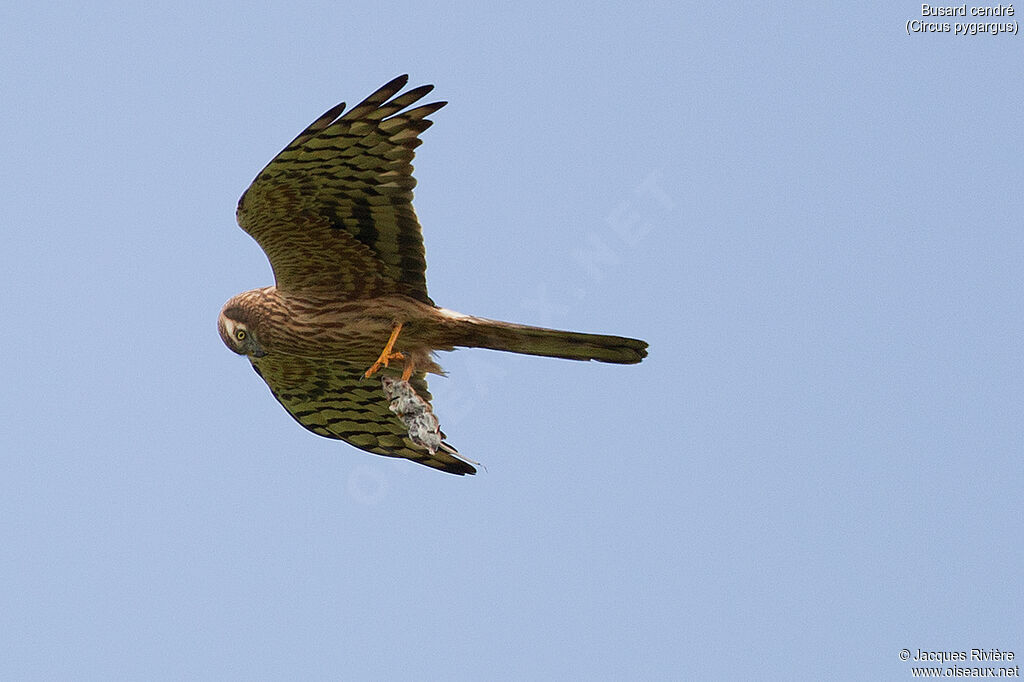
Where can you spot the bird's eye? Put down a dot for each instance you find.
(240, 335)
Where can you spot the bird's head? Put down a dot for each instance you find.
(237, 333)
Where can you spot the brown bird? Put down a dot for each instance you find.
(333, 212)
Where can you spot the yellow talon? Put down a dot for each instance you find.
(387, 355)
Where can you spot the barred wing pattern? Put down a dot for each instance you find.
(332, 399)
(333, 211)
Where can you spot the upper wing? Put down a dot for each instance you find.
(332, 399)
(333, 211)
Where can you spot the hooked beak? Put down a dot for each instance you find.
(255, 349)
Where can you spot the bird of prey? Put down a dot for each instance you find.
(333, 213)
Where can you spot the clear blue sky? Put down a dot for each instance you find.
(814, 219)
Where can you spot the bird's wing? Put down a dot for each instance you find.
(332, 399)
(333, 211)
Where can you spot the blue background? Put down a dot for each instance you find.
(813, 218)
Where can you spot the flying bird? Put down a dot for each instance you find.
(333, 213)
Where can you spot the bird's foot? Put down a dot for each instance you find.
(388, 354)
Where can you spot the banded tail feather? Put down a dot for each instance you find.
(480, 332)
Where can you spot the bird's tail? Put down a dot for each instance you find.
(478, 332)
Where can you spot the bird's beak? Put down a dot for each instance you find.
(255, 349)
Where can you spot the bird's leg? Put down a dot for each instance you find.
(387, 355)
(407, 370)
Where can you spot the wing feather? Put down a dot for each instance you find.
(333, 210)
(332, 399)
